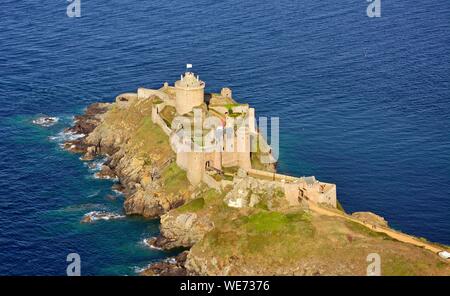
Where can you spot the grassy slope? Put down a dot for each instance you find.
(146, 142)
(251, 240)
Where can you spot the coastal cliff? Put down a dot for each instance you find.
(265, 235)
(138, 154)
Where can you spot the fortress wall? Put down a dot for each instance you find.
(243, 149)
(244, 160)
(264, 147)
(219, 109)
(315, 193)
(214, 159)
(155, 111)
(240, 109)
(236, 109)
(226, 92)
(145, 93)
(261, 174)
(159, 121)
(273, 176)
(251, 120)
(292, 185)
(230, 159)
(208, 180)
(182, 160)
(292, 194)
(217, 160)
(328, 196)
(196, 167)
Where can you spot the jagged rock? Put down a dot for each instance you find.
(370, 218)
(86, 123)
(254, 200)
(91, 151)
(118, 187)
(76, 146)
(173, 266)
(144, 204)
(106, 173)
(247, 188)
(155, 174)
(182, 230)
(241, 173)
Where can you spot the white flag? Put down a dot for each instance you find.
(188, 66)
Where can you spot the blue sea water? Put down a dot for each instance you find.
(363, 103)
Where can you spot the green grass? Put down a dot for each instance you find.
(265, 222)
(211, 195)
(279, 192)
(262, 232)
(356, 227)
(208, 197)
(150, 134)
(230, 170)
(339, 206)
(227, 177)
(192, 206)
(140, 135)
(157, 101)
(168, 114)
(398, 266)
(232, 114)
(441, 264)
(174, 178)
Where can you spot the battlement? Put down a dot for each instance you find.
(189, 81)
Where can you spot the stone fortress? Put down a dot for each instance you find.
(216, 139)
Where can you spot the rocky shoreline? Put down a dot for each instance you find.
(173, 266)
(130, 172)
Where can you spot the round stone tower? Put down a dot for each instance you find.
(190, 92)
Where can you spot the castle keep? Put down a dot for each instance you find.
(189, 93)
(215, 139)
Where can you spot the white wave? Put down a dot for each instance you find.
(64, 136)
(117, 192)
(96, 165)
(46, 121)
(146, 242)
(115, 179)
(94, 194)
(101, 215)
(171, 260)
(138, 269)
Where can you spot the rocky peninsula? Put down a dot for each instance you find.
(241, 224)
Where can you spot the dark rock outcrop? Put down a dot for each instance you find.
(173, 266)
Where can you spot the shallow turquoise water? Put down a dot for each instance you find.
(49, 191)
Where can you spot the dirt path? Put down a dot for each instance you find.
(392, 233)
